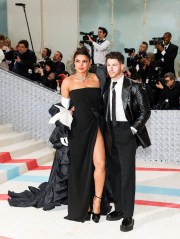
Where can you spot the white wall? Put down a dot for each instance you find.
(129, 23)
(60, 25)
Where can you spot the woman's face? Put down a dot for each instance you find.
(81, 63)
(47, 68)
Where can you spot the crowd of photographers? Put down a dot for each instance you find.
(21, 60)
(154, 70)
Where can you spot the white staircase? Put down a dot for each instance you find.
(19, 153)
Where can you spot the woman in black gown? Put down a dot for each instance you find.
(87, 168)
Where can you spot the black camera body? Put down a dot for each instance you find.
(129, 50)
(141, 55)
(86, 39)
(40, 64)
(16, 55)
(156, 40)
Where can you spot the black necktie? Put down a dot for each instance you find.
(114, 104)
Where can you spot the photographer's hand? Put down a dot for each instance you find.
(18, 59)
(90, 39)
(159, 47)
(133, 54)
(40, 71)
(159, 85)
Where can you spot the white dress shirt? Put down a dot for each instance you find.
(100, 51)
(120, 114)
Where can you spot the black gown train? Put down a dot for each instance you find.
(82, 138)
(55, 191)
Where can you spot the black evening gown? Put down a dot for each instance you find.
(82, 138)
(55, 191)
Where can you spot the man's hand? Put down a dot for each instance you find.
(133, 54)
(90, 39)
(159, 47)
(159, 85)
(18, 59)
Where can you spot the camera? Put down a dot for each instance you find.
(15, 55)
(86, 39)
(38, 65)
(129, 50)
(141, 55)
(156, 40)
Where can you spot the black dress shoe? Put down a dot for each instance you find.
(127, 224)
(114, 216)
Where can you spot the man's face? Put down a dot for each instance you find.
(56, 56)
(167, 39)
(44, 53)
(143, 47)
(169, 82)
(115, 68)
(21, 48)
(101, 34)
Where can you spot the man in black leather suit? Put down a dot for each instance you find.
(126, 109)
(166, 54)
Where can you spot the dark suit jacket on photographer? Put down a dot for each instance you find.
(136, 62)
(167, 60)
(169, 98)
(25, 66)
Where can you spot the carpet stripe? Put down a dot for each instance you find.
(158, 169)
(157, 204)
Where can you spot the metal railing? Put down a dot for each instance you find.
(25, 105)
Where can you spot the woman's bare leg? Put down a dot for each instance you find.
(99, 172)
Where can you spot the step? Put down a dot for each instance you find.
(42, 156)
(22, 148)
(12, 137)
(6, 128)
(10, 171)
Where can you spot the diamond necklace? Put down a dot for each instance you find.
(82, 79)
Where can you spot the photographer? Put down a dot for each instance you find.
(153, 74)
(101, 46)
(47, 75)
(166, 54)
(138, 60)
(22, 60)
(99, 49)
(170, 93)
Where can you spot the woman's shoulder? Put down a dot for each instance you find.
(94, 76)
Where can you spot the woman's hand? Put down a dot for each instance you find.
(72, 110)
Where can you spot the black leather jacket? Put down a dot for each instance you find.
(137, 110)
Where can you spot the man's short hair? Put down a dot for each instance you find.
(48, 51)
(170, 75)
(115, 55)
(104, 30)
(145, 43)
(168, 33)
(60, 54)
(24, 42)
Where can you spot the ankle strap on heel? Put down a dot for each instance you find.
(97, 197)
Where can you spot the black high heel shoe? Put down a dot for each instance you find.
(88, 217)
(96, 216)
